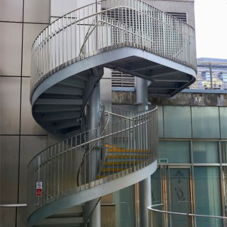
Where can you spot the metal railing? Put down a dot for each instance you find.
(107, 25)
(57, 166)
(188, 220)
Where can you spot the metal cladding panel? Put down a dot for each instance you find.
(9, 105)
(10, 47)
(9, 150)
(7, 216)
(11, 10)
(37, 11)
(30, 33)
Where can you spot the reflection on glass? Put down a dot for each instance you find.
(179, 195)
(207, 196)
(125, 207)
(174, 152)
(224, 151)
(205, 152)
(224, 176)
(156, 194)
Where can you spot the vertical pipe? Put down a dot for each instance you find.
(145, 185)
(93, 120)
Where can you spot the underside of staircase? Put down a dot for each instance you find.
(68, 58)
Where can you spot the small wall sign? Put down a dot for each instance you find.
(39, 188)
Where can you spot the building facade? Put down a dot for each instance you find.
(199, 145)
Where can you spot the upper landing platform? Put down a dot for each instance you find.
(127, 35)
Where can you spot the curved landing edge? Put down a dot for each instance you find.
(92, 193)
(104, 58)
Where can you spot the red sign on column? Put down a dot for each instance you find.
(39, 188)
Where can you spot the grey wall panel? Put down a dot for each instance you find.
(31, 31)
(10, 48)
(9, 149)
(37, 11)
(28, 124)
(11, 10)
(30, 146)
(177, 121)
(61, 7)
(22, 217)
(223, 119)
(205, 122)
(9, 105)
(7, 217)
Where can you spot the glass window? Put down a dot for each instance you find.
(205, 152)
(207, 196)
(125, 207)
(224, 151)
(224, 177)
(223, 116)
(174, 152)
(205, 122)
(177, 122)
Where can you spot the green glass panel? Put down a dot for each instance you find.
(224, 176)
(177, 122)
(224, 151)
(174, 152)
(207, 196)
(156, 195)
(205, 122)
(160, 121)
(223, 119)
(125, 207)
(205, 152)
(179, 197)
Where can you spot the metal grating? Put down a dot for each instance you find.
(179, 16)
(120, 79)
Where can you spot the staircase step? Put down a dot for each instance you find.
(64, 90)
(59, 102)
(60, 222)
(120, 157)
(74, 82)
(61, 116)
(122, 163)
(56, 108)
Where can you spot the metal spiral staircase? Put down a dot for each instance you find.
(68, 58)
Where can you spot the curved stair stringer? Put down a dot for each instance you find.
(110, 59)
(92, 193)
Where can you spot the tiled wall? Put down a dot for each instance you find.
(20, 137)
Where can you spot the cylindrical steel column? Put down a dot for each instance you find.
(94, 114)
(145, 185)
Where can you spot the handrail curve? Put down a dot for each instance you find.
(93, 29)
(191, 223)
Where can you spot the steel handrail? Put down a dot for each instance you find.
(51, 165)
(189, 215)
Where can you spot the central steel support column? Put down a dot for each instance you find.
(93, 121)
(145, 185)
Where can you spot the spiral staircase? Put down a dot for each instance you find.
(68, 58)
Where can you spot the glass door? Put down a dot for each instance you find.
(171, 186)
(179, 195)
